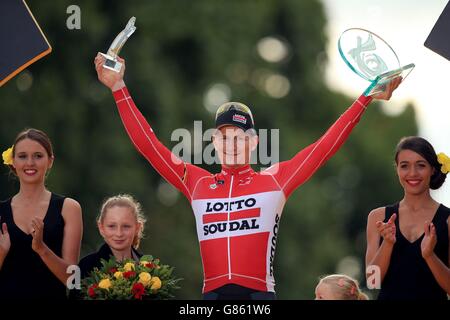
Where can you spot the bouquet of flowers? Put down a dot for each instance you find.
(130, 280)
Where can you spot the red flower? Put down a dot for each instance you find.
(150, 265)
(112, 270)
(138, 290)
(129, 274)
(91, 290)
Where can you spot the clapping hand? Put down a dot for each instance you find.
(37, 225)
(429, 240)
(387, 230)
(5, 241)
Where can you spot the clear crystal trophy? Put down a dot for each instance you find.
(111, 56)
(372, 58)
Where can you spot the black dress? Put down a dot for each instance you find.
(408, 276)
(24, 275)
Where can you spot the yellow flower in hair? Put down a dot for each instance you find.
(444, 160)
(8, 156)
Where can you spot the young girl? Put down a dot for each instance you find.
(41, 231)
(121, 224)
(339, 287)
(395, 233)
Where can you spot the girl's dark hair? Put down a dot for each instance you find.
(425, 149)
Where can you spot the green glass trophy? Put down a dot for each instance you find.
(111, 56)
(372, 58)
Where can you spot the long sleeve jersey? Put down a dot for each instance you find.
(237, 211)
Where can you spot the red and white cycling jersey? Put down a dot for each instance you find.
(237, 211)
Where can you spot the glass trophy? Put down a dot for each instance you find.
(372, 58)
(111, 56)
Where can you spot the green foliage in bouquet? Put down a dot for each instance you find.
(130, 280)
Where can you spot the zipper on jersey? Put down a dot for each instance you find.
(228, 231)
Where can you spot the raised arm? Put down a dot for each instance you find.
(178, 173)
(294, 172)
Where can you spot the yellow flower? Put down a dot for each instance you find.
(444, 160)
(145, 278)
(105, 284)
(118, 275)
(7, 156)
(156, 283)
(129, 266)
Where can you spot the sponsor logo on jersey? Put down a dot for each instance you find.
(222, 216)
(273, 242)
(230, 226)
(239, 118)
(221, 206)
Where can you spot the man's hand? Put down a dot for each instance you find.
(391, 86)
(110, 78)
